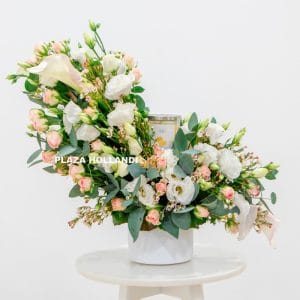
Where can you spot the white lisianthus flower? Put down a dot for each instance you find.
(129, 129)
(71, 115)
(123, 113)
(110, 63)
(181, 191)
(214, 132)
(247, 215)
(87, 133)
(107, 162)
(119, 85)
(146, 195)
(130, 186)
(121, 169)
(229, 164)
(79, 55)
(57, 67)
(134, 146)
(210, 153)
(170, 158)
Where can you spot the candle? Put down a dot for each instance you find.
(165, 128)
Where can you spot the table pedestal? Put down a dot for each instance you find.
(193, 292)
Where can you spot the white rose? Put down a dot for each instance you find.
(123, 113)
(134, 146)
(57, 67)
(122, 169)
(229, 164)
(110, 63)
(214, 132)
(87, 133)
(118, 86)
(210, 153)
(246, 216)
(146, 195)
(181, 191)
(71, 115)
(107, 162)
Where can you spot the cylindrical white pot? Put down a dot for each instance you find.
(157, 247)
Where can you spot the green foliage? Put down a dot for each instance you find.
(34, 155)
(66, 150)
(75, 192)
(152, 173)
(182, 221)
(119, 217)
(136, 170)
(193, 121)
(180, 142)
(273, 198)
(168, 226)
(186, 163)
(135, 221)
(137, 89)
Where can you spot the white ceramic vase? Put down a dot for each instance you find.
(157, 247)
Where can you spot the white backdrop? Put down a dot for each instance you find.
(237, 60)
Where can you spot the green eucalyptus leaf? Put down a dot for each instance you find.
(152, 173)
(135, 221)
(210, 201)
(49, 170)
(119, 217)
(73, 138)
(66, 150)
(75, 191)
(180, 142)
(35, 163)
(85, 149)
(168, 226)
(182, 221)
(184, 210)
(179, 172)
(193, 121)
(273, 198)
(136, 170)
(186, 163)
(34, 155)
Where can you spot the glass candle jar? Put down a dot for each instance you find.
(165, 128)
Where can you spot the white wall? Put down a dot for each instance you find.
(237, 60)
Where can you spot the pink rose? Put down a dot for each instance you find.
(39, 48)
(254, 191)
(97, 145)
(50, 97)
(137, 75)
(76, 171)
(54, 139)
(85, 184)
(48, 157)
(35, 114)
(161, 187)
(204, 172)
(117, 204)
(57, 47)
(201, 211)
(153, 217)
(228, 192)
(129, 61)
(161, 163)
(158, 151)
(40, 125)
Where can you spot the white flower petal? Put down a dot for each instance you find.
(87, 133)
(229, 164)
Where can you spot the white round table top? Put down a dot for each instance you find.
(209, 264)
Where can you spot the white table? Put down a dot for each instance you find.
(184, 281)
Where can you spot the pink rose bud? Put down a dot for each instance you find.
(97, 145)
(40, 125)
(54, 139)
(204, 172)
(254, 191)
(48, 157)
(137, 75)
(57, 47)
(35, 114)
(129, 61)
(76, 171)
(228, 192)
(201, 212)
(117, 204)
(161, 187)
(153, 217)
(161, 163)
(158, 151)
(50, 97)
(39, 48)
(85, 184)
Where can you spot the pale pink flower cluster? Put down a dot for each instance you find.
(38, 120)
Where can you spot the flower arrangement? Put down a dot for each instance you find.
(92, 124)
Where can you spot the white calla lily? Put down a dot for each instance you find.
(246, 216)
(57, 67)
